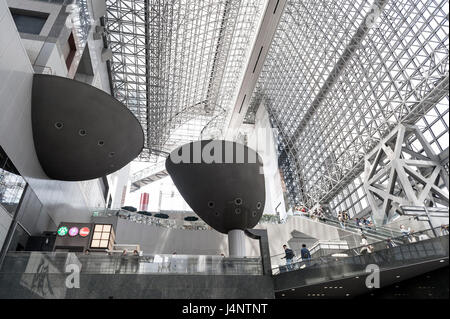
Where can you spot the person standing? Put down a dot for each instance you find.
(123, 261)
(135, 261)
(173, 263)
(390, 243)
(289, 255)
(341, 219)
(411, 237)
(365, 245)
(444, 229)
(345, 218)
(368, 223)
(405, 231)
(305, 253)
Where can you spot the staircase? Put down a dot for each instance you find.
(148, 175)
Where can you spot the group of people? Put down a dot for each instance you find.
(300, 209)
(390, 243)
(343, 218)
(125, 260)
(318, 214)
(289, 256)
(315, 214)
(409, 234)
(368, 248)
(363, 222)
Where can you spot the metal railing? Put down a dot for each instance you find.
(350, 225)
(148, 171)
(57, 262)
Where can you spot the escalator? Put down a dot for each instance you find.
(338, 277)
(328, 230)
(376, 233)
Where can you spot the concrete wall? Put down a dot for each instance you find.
(33, 43)
(63, 201)
(156, 239)
(33, 216)
(117, 182)
(5, 222)
(260, 137)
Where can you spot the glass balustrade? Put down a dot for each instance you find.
(95, 263)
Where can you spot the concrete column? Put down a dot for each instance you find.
(236, 243)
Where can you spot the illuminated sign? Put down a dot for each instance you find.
(84, 231)
(102, 236)
(62, 231)
(73, 231)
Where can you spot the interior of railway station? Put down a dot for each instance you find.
(224, 149)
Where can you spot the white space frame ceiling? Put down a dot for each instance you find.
(176, 63)
(338, 77)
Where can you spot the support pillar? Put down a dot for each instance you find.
(236, 243)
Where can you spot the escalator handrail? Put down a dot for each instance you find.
(374, 230)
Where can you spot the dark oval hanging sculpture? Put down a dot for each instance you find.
(79, 131)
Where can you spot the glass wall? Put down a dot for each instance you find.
(12, 185)
(55, 263)
(333, 93)
(434, 126)
(352, 198)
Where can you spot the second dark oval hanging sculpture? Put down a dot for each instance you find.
(222, 181)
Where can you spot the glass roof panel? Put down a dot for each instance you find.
(175, 64)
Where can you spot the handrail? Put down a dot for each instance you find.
(400, 239)
(147, 171)
(378, 230)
